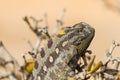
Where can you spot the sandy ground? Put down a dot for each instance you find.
(14, 32)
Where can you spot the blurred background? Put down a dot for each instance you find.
(103, 15)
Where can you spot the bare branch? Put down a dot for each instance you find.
(17, 66)
(59, 22)
(36, 22)
(30, 44)
(27, 21)
(6, 74)
(114, 44)
(45, 20)
(36, 47)
(39, 32)
(110, 51)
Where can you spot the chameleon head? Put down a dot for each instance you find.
(86, 34)
(80, 34)
(80, 37)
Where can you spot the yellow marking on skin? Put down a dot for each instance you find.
(61, 31)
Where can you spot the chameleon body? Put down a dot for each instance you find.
(60, 55)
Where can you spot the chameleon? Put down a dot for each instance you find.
(61, 53)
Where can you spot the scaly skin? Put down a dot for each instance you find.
(57, 60)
